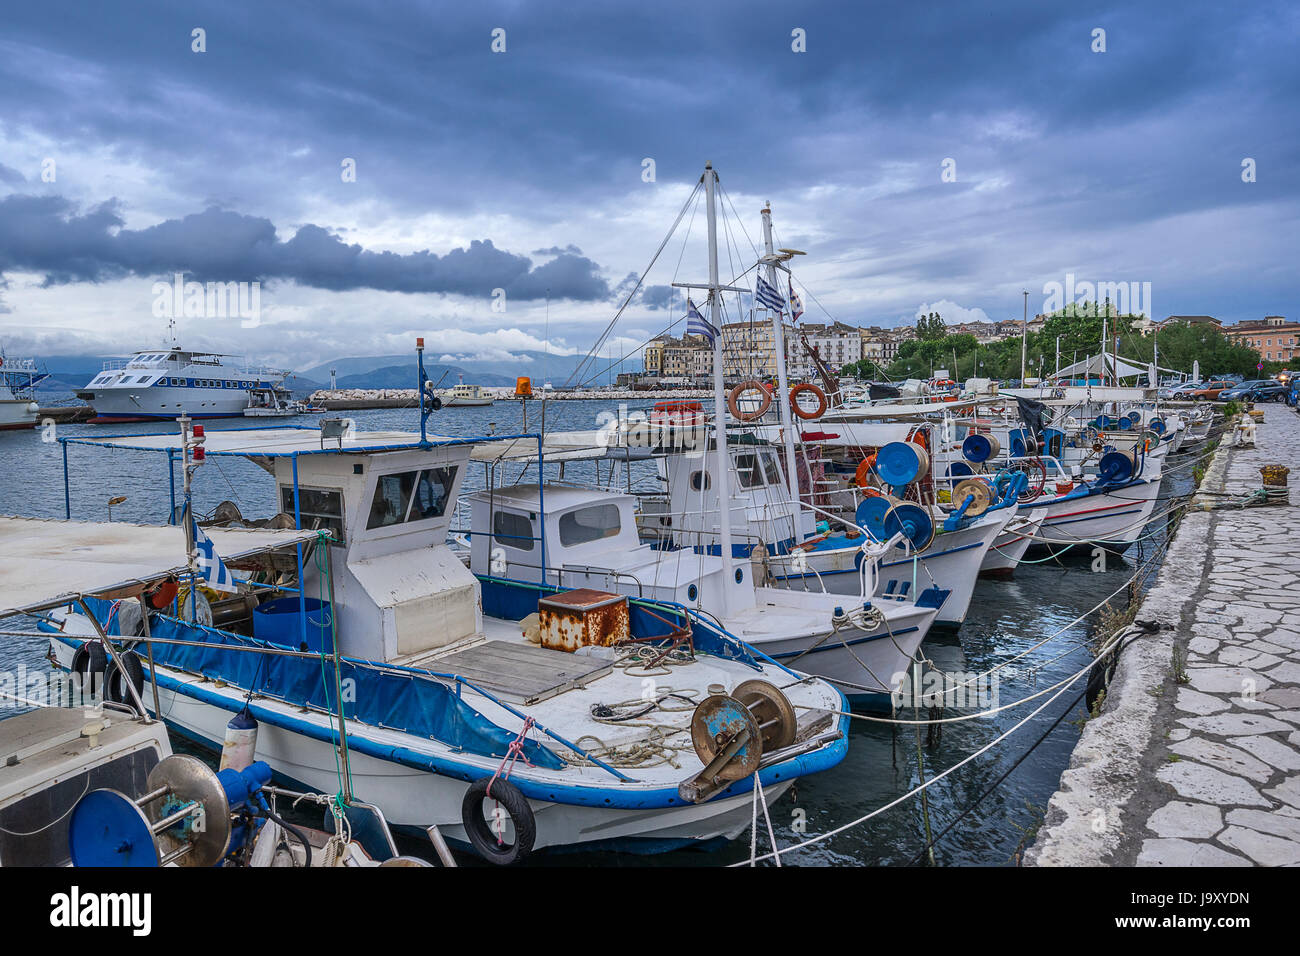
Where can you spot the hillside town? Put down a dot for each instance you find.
(749, 350)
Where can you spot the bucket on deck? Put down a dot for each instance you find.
(280, 622)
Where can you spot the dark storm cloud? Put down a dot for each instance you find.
(1093, 148)
(49, 235)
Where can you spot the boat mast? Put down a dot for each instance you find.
(722, 478)
(782, 375)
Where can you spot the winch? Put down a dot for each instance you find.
(732, 732)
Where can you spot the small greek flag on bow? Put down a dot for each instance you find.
(214, 571)
(697, 324)
(796, 305)
(768, 296)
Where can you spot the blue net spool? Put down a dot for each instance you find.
(1157, 425)
(108, 829)
(870, 516)
(1134, 416)
(913, 520)
(959, 469)
(1125, 423)
(901, 462)
(1116, 466)
(980, 448)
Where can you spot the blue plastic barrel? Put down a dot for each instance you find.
(280, 622)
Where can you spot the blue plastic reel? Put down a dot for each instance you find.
(1115, 466)
(913, 520)
(870, 516)
(898, 463)
(977, 448)
(108, 829)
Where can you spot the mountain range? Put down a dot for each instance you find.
(71, 372)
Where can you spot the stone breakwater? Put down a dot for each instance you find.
(358, 398)
(1194, 758)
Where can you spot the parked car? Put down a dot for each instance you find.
(1255, 390)
(1210, 391)
(1178, 392)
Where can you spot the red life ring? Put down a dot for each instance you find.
(734, 396)
(794, 401)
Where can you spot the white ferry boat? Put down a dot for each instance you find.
(464, 396)
(164, 383)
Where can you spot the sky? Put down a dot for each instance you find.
(392, 170)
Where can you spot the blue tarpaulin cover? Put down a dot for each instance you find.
(409, 702)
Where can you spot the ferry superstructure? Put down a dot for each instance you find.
(164, 383)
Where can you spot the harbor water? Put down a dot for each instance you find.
(983, 813)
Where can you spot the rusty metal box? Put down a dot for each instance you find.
(582, 618)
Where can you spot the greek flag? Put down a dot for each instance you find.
(214, 571)
(796, 305)
(697, 324)
(768, 296)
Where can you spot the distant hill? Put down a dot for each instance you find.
(538, 366)
(403, 376)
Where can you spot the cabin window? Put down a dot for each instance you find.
(770, 470)
(410, 496)
(747, 469)
(700, 480)
(512, 530)
(320, 508)
(589, 524)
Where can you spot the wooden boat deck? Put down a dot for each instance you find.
(522, 672)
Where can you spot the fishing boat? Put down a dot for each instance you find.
(18, 381)
(276, 402)
(502, 710)
(88, 777)
(466, 396)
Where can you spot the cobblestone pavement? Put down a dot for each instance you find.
(1205, 771)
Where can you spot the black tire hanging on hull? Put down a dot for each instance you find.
(480, 833)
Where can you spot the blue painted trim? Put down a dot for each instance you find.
(569, 794)
(925, 556)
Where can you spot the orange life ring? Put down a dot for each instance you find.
(749, 386)
(794, 402)
(862, 476)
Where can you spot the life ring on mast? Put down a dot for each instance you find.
(733, 400)
(805, 388)
(862, 477)
(504, 796)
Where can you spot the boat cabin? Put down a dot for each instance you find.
(590, 540)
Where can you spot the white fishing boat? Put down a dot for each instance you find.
(18, 381)
(448, 685)
(276, 403)
(92, 749)
(1010, 545)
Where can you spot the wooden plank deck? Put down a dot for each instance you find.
(521, 671)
